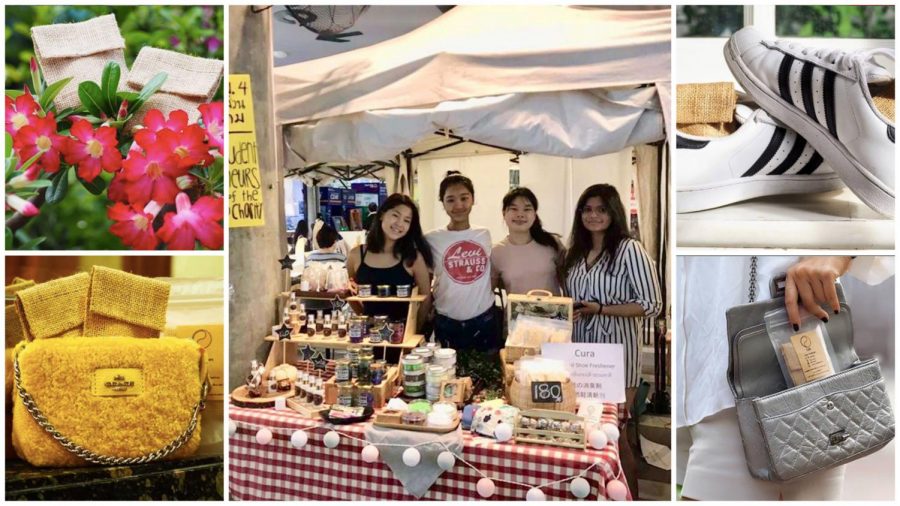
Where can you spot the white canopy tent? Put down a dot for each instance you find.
(569, 82)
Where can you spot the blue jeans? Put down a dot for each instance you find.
(481, 333)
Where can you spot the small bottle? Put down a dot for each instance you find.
(298, 384)
(319, 396)
(273, 385)
(326, 328)
(320, 323)
(341, 326)
(311, 325)
(293, 302)
(320, 315)
(334, 322)
(286, 317)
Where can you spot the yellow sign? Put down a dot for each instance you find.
(211, 338)
(245, 198)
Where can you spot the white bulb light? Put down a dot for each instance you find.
(485, 487)
(598, 439)
(232, 427)
(264, 436)
(580, 488)
(503, 432)
(299, 439)
(411, 457)
(616, 490)
(611, 430)
(370, 454)
(446, 460)
(535, 494)
(332, 439)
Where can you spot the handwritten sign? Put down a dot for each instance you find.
(598, 370)
(546, 391)
(245, 195)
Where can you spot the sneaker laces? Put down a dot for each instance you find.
(842, 59)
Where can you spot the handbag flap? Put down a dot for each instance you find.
(115, 396)
(53, 308)
(129, 298)
(186, 75)
(71, 40)
(753, 368)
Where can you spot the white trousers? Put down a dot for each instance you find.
(717, 469)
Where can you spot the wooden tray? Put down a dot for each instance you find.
(375, 298)
(241, 398)
(306, 409)
(311, 295)
(410, 341)
(418, 428)
(569, 439)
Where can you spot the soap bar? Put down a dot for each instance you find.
(813, 358)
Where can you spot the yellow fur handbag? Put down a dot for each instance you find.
(85, 396)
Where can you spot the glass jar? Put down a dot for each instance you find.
(342, 371)
(397, 332)
(345, 395)
(357, 329)
(377, 372)
(363, 374)
(364, 291)
(364, 396)
(384, 290)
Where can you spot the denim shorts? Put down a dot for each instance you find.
(481, 333)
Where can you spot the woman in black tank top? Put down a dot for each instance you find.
(395, 253)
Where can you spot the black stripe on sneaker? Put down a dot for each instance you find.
(891, 133)
(771, 149)
(812, 164)
(792, 157)
(807, 91)
(784, 78)
(828, 97)
(685, 143)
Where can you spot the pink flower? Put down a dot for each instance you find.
(151, 175)
(197, 222)
(39, 137)
(189, 145)
(21, 112)
(213, 44)
(117, 191)
(93, 150)
(133, 225)
(214, 121)
(154, 121)
(20, 205)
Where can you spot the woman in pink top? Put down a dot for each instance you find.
(529, 258)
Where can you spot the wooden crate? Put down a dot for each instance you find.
(381, 393)
(551, 437)
(539, 303)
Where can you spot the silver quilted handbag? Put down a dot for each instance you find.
(789, 433)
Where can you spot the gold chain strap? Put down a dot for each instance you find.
(96, 458)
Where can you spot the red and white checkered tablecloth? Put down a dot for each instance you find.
(278, 471)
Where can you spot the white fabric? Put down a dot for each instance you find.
(707, 286)
(717, 469)
(462, 271)
(576, 124)
(479, 51)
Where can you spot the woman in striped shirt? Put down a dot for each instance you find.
(610, 277)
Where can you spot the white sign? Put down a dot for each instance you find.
(598, 370)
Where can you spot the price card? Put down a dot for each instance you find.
(546, 392)
(245, 196)
(598, 370)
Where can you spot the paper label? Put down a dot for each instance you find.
(245, 193)
(814, 360)
(117, 382)
(210, 337)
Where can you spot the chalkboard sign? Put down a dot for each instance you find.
(546, 392)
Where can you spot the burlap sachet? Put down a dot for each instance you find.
(53, 309)
(126, 305)
(705, 103)
(78, 50)
(191, 81)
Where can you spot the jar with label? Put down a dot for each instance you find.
(326, 327)
(403, 290)
(377, 372)
(413, 376)
(447, 358)
(342, 371)
(364, 290)
(364, 396)
(319, 392)
(311, 325)
(363, 374)
(375, 337)
(357, 327)
(353, 356)
(334, 322)
(345, 395)
(398, 330)
(425, 353)
(384, 290)
(320, 322)
(434, 376)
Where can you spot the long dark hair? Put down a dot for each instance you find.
(453, 178)
(408, 246)
(581, 243)
(537, 231)
(301, 230)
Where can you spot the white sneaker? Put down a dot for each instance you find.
(761, 158)
(823, 94)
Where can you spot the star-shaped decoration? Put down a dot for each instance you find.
(287, 262)
(386, 332)
(319, 361)
(307, 352)
(284, 332)
(337, 303)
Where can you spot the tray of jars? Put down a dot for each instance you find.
(306, 408)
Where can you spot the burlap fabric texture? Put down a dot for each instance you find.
(191, 81)
(123, 304)
(78, 50)
(705, 109)
(53, 309)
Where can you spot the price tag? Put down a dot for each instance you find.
(546, 392)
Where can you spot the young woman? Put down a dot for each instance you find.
(529, 258)
(463, 299)
(395, 253)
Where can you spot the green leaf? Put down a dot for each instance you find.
(30, 161)
(9, 238)
(33, 243)
(9, 145)
(96, 187)
(152, 87)
(46, 98)
(91, 98)
(59, 187)
(127, 95)
(109, 81)
(38, 183)
(14, 93)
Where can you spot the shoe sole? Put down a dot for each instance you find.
(745, 188)
(873, 192)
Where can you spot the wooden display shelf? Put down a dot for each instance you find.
(310, 295)
(410, 341)
(411, 298)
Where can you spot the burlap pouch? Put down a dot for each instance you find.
(80, 51)
(705, 103)
(191, 81)
(123, 304)
(53, 309)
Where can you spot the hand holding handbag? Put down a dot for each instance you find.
(789, 433)
(121, 399)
